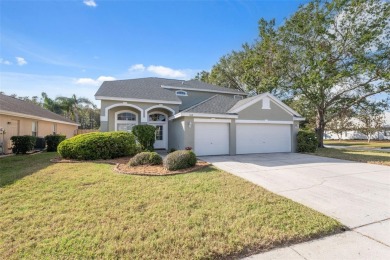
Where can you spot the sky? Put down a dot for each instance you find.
(65, 47)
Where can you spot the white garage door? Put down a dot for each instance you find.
(211, 138)
(263, 138)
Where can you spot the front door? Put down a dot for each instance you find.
(159, 120)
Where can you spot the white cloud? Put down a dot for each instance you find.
(5, 62)
(21, 61)
(93, 82)
(137, 67)
(166, 72)
(157, 70)
(90, 3)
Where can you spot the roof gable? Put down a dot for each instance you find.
(243, 104)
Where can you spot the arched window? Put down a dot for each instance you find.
(156, 117)
(126, 116)
(125, 120)
(181, 93)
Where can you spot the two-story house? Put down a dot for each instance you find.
(213, 120)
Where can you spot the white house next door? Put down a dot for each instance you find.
(159, 120)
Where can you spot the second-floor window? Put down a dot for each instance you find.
(181, 93)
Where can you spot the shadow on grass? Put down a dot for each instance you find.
(16, 167)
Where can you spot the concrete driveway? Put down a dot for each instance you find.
(356, 194)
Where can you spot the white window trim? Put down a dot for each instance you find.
(157, 122)
(165, 127)
(125, 121)
(185, 94)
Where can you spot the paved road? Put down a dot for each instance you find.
(356, 194)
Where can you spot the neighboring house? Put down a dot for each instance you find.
(212, 120)
(18, 117)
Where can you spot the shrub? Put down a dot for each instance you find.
(146, 158)
(307, 141)
(171, 150)
(22, 144)
(96, 145)
(180, 160)
(145, 135)
(40, 143)
(53, 141)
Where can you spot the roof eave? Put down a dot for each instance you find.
(10, 113)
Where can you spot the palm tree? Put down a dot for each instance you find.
(71, 106)
(51, 104)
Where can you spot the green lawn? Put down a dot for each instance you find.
(359, 143)
(85, 210)
(375, 157)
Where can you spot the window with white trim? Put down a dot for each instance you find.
(125, 121)
(157, 117)
(181, 93)
(54, 128)
(34, 128)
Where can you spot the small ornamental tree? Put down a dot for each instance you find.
(145, 136)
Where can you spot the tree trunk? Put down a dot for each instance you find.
(320, 127)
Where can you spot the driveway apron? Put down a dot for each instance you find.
(356, 194)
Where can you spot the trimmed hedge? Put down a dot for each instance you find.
(146, 158)
(40, 143)
(145, 135)
(307, 141)
(96, 145)
(23, 144)
(53, 141)
(181, 159)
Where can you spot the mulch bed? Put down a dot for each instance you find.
(149, 170)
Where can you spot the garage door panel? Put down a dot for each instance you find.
(211, 138)
(263, 138)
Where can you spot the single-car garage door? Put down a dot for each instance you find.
(211, 138)
(263, 138)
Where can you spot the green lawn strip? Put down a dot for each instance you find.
(359, 143)
(85, 210)
(374, 157)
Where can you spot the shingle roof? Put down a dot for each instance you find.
(150, 88)
(145, 88)
(200, 85)
(217, 104)
(15, 105)
(242, 102)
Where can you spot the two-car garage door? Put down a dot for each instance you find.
(213, 138)
(263, 138)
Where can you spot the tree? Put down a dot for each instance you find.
(51, 104)
(203, 76)
(371, 119)
(71, 106)
(333, 55)
(341, 123)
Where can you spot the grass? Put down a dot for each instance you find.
(85, 210)
(374, 157)
(359, 143)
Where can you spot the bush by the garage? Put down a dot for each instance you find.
(307, 141)
(40, 143)
(93, 146)
(23, 144)
(53, 141)
(145, 136)
(180, 160)
(146, 158)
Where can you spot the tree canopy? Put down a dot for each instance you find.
(327, 58)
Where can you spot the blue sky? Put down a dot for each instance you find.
(65, 47)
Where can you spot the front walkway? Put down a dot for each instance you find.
(356, 194)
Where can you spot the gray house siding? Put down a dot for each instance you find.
(176, 134)
(255, 112)
(195, 97)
